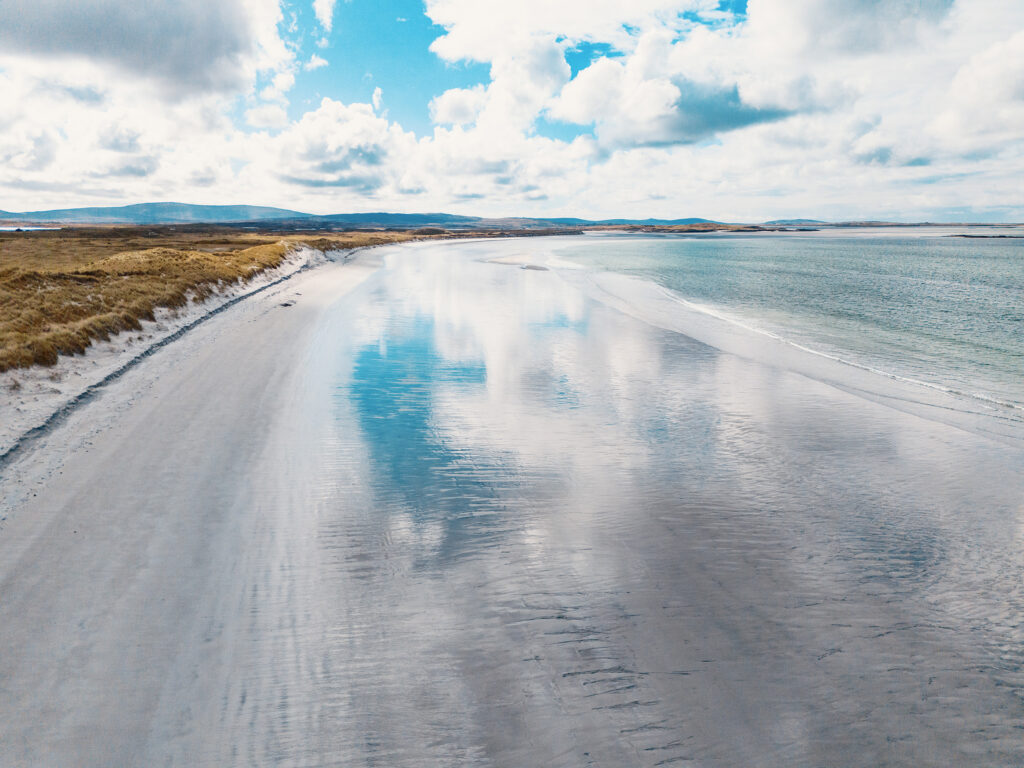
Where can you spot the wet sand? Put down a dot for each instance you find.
(438, 511)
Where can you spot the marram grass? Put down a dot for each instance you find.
(60, 292)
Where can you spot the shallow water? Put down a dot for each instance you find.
(920, 303)
(470, 514)
(585, 540)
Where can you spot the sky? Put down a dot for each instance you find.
(734, 110)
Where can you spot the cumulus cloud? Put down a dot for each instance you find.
(187, 45)
(315, 62)
(642, 97)
(129, 132)
(120, 140)
(629, 109)
(267, 116)
(838, 26)
(324, 10)
(823, 108)
(339, 147)
(485, 31)
(985, 105)
(279, 87)
(458, 106)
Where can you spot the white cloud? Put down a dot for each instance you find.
(624, 105)
(267, 116)
(985, 100)
(808, 107)
(458, 106)
(121, 142)
(279, 87)
(315, 62)
(486, 31)
(186, 46)
(345, 152)
(324, 10)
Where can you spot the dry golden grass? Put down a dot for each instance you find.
(60, 291)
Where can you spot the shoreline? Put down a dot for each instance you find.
(654, 304)
(35, 399)
(41, 405)
(422, 484)
(40, 397)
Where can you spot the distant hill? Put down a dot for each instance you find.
(404, 218)
(184, 213)
(633, 222)
(383, 219)
(793, 223)
(156, 213)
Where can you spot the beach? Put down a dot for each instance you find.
(432, 507)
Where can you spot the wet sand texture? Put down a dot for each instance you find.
(450, 512)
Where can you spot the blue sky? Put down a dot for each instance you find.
(387, 45)
(377, 45)
(741, 111)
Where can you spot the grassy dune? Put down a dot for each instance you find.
(62, 290)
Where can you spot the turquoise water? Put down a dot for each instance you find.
(943, 310)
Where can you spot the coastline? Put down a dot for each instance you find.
(33, 398)
(659, 306)
(654, 304)
(432, 484)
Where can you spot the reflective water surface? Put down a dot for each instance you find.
(560, 536)
(470, 513)
(919, 302)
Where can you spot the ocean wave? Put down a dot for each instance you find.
(726, 317)
(654, 304)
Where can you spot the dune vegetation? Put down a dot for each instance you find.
(61, 290)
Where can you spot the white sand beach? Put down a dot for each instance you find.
(423, 509)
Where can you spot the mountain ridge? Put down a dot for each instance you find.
(187, 213)
(155, 213)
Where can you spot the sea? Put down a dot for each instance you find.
(614, 499)
(941, 307)
(727, 499)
